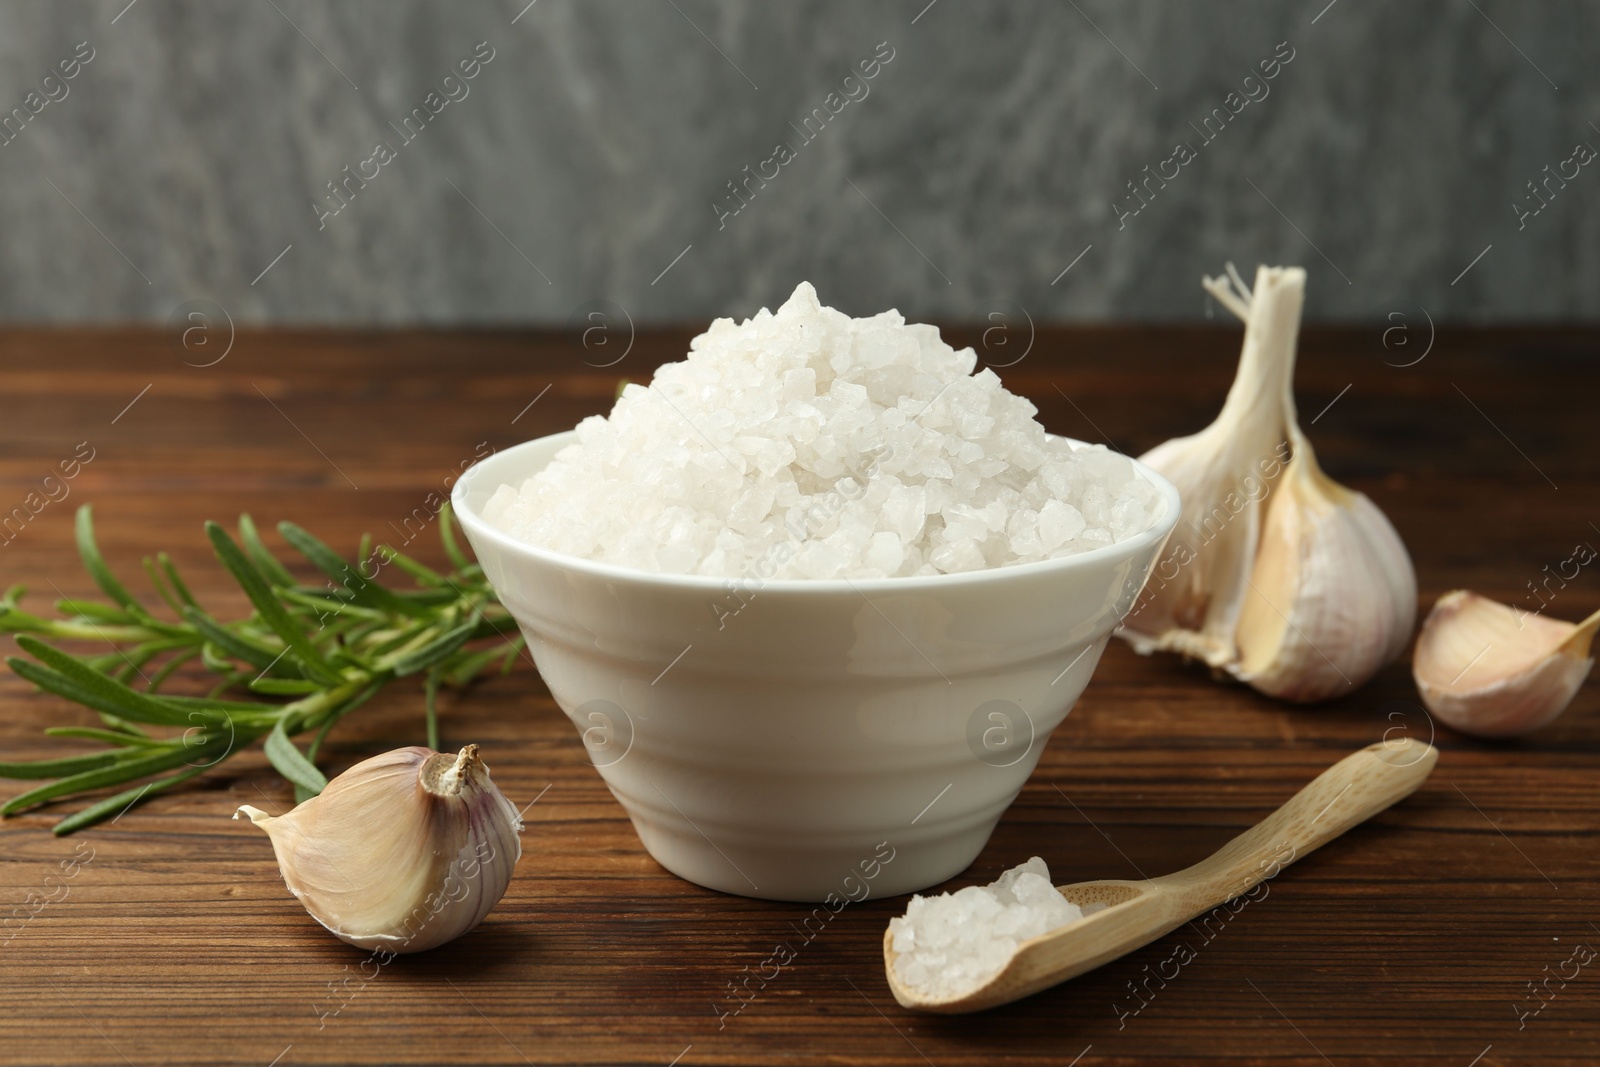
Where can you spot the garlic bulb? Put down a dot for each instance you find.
(1488, 669)
(402, 852)
(1192, 600)
(1302, 589)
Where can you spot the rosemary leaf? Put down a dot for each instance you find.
(159, 583)
(269, 607)
(57, 768)
(291, 763)
(231, 708)
(362, 590)
(420, 572)
(95, 564)
(275, 572)
(123, 801)
(66, 676)
(257, 655)
(435, 651)
(471, 665)
(124, 769)
(447, 534)
(168, 668)
(178, 587)
(284, 686)
(110, 737)
(88, 609)
(121, 726)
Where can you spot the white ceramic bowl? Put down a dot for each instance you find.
(793, 739)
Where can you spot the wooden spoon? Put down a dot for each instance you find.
(1136, 913)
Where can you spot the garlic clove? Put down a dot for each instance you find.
(403, 851)
(1191, 602)
(1332, 596)
(1488, 669)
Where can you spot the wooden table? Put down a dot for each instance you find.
(1412, 940)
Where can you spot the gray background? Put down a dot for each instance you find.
(985, 159)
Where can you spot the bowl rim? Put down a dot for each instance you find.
(700, 583)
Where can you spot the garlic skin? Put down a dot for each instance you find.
(1191, 602)
(1333, 594)
(1299, 587)
(402, 852)
(1491, 670)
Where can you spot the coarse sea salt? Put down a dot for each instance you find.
(808, 444)
(950, 945)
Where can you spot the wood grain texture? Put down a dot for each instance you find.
(1413, 939)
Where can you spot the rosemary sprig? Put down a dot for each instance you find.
(322, 650)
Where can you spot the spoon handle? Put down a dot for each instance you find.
(1345, 795)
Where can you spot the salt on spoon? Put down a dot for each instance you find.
(986, 946)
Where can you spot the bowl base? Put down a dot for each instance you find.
(826, 876)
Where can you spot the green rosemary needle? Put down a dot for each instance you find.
(305, 657)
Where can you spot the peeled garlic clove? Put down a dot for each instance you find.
(1332, 596)
(1192, 600)
(402, 852)
(1488, 669)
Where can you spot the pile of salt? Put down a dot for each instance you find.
(807, 444)
(951, 944)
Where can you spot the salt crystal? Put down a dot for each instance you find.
(951, 944)
(867, 447)
(1023, 532)
(799, 383)
(495, 510)
(1058, 524)
(885, 553)
(1096, 505)
(953, 557)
